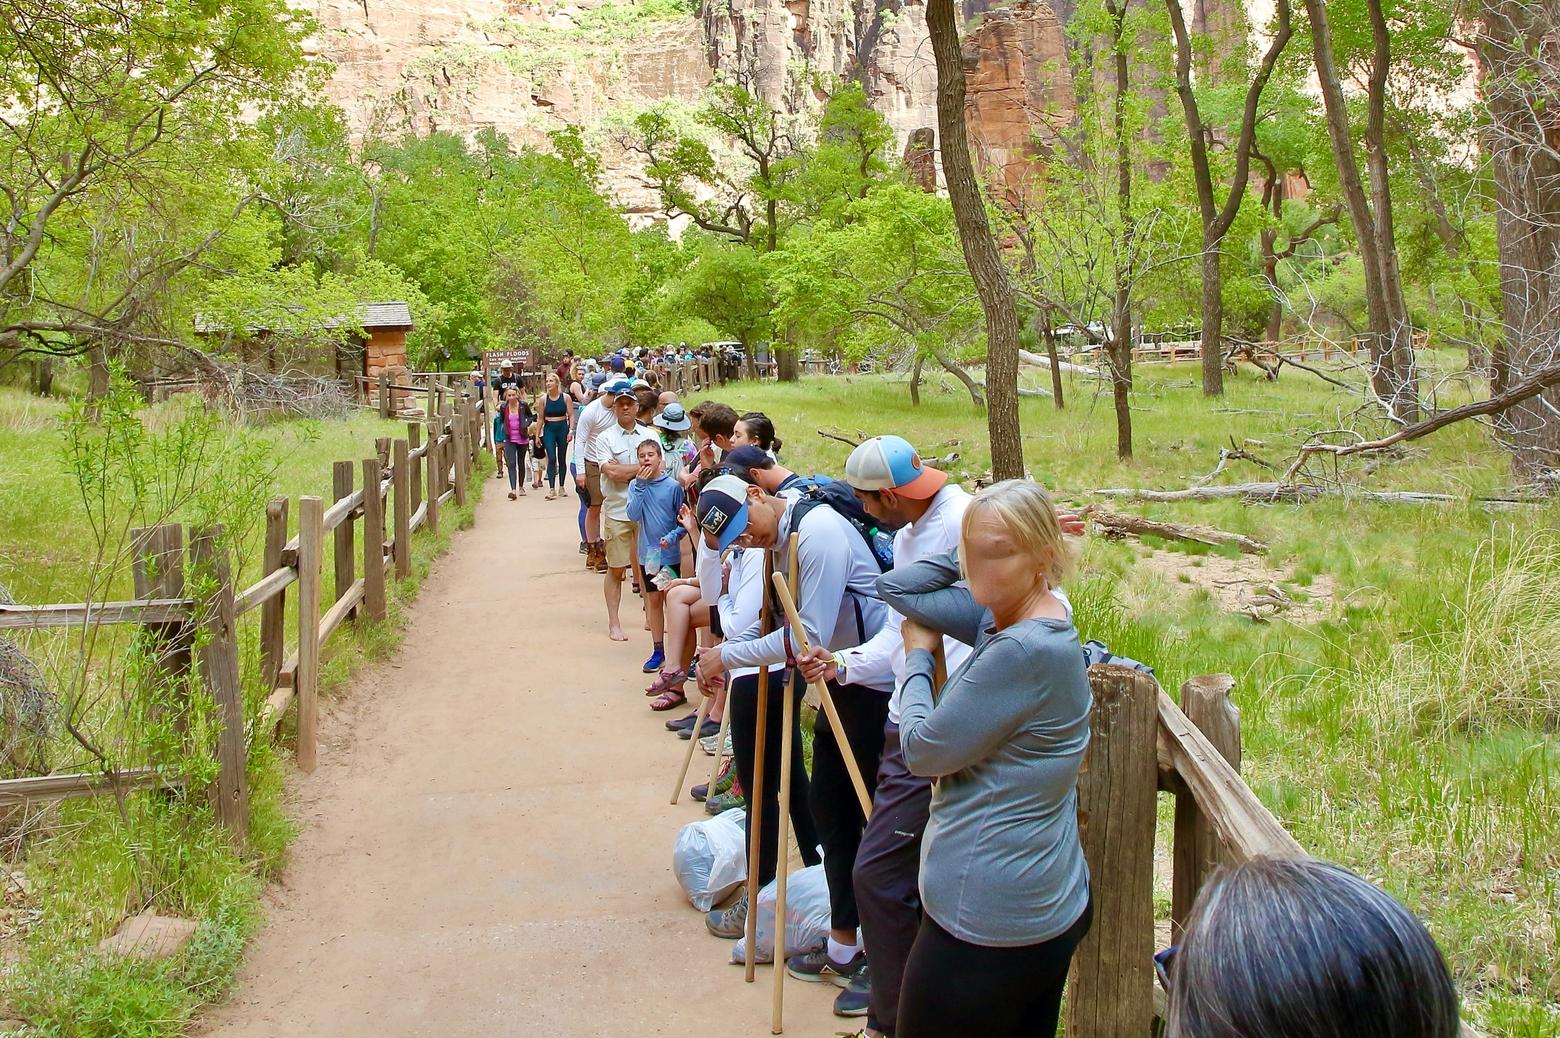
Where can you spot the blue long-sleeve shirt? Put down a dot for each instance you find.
(653, 504)
(1001, 862)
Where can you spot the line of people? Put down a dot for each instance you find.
(957, 902)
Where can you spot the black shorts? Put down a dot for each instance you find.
(715, 623)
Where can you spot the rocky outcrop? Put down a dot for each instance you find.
(921, 158)
(1018, 91)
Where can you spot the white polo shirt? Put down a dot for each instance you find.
(621, 446)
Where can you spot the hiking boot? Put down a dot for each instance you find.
(724, 802)
(857, 996)
(816, 967)
(730, 922)
(655, 662)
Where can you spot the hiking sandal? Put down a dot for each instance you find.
(668, 700)
(666, 681)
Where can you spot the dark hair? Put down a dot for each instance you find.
(647, 399)
(716, 419)
(1300, 948)
(762, 430)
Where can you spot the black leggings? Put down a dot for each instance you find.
(835, 807)
(953, 988)
(742, 701)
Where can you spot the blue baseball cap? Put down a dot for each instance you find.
(747, 456)
(723, 509)
(890, 463)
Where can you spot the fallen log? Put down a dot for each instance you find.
(1298, 493)
(1121, 524)
(1040, 360)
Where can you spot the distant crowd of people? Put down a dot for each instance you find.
(957, 902)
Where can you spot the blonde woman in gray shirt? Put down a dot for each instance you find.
(1003, 881)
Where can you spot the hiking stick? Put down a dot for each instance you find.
(777, 1004)
(803, 646)
(756, 794)
(693, 740)
(720, 741)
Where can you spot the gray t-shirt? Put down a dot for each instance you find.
(1001, 864)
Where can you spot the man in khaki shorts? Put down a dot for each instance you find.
(618, 447)
(592, 420)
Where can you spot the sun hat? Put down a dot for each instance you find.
(890, 463)
(723, 509)
(673, 418)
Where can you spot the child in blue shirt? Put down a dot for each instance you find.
(653, 500)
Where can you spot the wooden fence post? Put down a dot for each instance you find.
(435, 470)
(273, 612)
(345, 554)
(311, 542)
(462, 456)
(384, 394)
(400, 477)
(373, 541)
(382, 450)
(1206, 702)
(157, 567)
(414, 473)
(1111, 992)
(431, 408)
(219, 669)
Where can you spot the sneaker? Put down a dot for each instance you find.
(710, 728)
(730, 922)
(707, 744)
(857, 996)
(723, 782)
(682, 724)
(817, 967)
(655, 662)
(724, 802)
(583, 549)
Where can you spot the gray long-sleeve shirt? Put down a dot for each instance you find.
(837, 575)
(1001, 863)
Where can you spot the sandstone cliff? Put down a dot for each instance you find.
(525, 68)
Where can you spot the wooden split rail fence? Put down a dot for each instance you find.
(405, 485)
(1144, 743)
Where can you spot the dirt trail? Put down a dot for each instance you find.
(486, 845)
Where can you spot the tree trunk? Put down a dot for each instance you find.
(956, 369)
(980, 249)
(1518, 48)
(787, 364)
(1120, 350)
(1212, 321)
(915, 381)
(1049, 337)
(1396, 388)
(43, 376)
(97, 378)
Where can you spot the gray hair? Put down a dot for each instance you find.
(1300, 948)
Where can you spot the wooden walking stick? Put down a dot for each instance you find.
(777, 1003)
(720, 742)
(803, 646)
(755, 796)
(693, 740)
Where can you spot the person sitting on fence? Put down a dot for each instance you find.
(755, 428)
(1300, 948)
(512, 428)
(654, 498)
(1012, 723)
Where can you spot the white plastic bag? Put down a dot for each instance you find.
(710, 858)
(806, 917)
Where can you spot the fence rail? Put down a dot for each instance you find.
(201, 634)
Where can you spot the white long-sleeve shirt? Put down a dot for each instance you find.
(740, 604)
(837, 574)
(594, 419)
(880, 659)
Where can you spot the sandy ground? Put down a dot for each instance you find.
(486, 844)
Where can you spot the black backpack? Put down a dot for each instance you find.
(838, 496)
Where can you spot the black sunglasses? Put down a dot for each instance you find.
(1163, 963)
